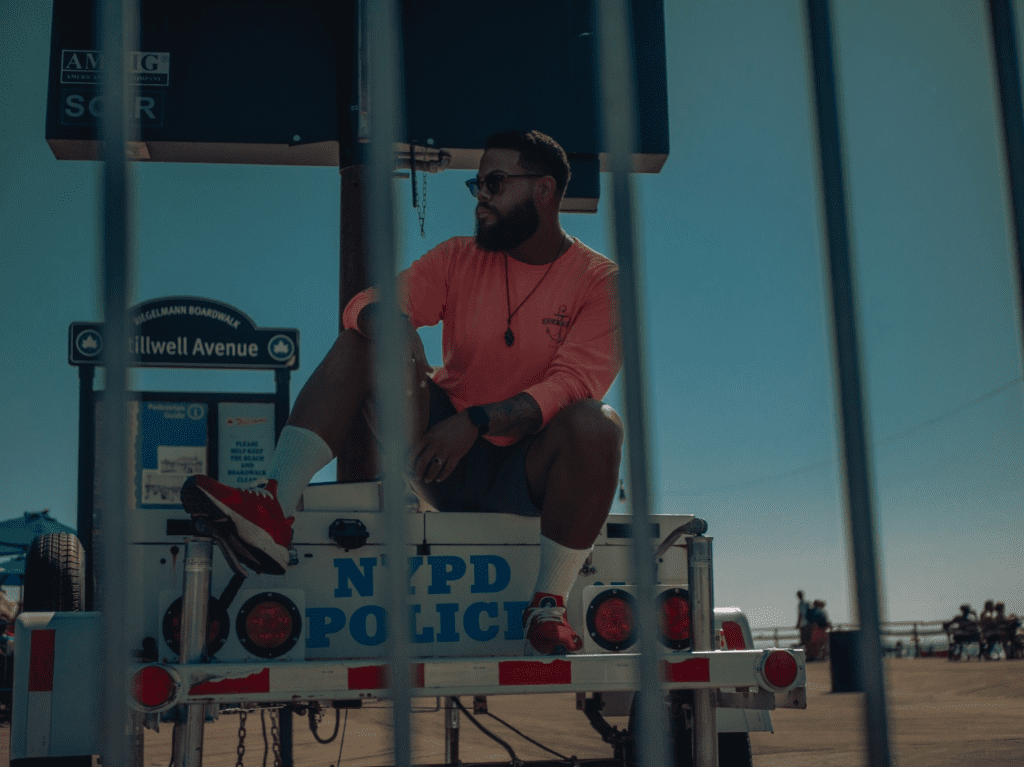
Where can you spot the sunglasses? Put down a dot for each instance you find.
(493, 182)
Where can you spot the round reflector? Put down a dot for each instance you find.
(153, 686)
(217, 627)
(780, 669)
(268, 625)
(674, 617)
(610, 620)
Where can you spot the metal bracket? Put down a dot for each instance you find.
(761, 699)
(348, 533)
(795, 698)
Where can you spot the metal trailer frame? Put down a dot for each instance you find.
(118, 27)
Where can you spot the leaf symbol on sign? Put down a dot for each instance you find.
(281, 347)
(89, 342)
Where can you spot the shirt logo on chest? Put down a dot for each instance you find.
(560, 322)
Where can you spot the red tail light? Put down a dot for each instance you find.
(733, 636)
(674, 616)
(153, 686)
(611, 620)
(779, 669)
(268, 625)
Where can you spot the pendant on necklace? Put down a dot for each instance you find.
(509, 337)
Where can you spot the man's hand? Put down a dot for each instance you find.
(439, 451)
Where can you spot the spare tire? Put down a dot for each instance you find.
(54, 574)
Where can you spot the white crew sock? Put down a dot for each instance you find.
(300, 454)
(559, 567)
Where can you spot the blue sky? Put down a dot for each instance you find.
(741, 405)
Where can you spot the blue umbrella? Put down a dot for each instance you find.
(12, 571)
(17, 534)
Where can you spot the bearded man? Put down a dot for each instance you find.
(512, 421)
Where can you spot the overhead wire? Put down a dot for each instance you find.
(880, 443)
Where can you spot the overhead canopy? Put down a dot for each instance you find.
(17, 534)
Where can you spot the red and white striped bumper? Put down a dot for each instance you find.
(336, 680)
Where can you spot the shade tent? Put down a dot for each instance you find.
(17, 534)
(12, 571)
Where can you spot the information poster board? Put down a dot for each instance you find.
(171, 445)
(246, 441)
(171, 439)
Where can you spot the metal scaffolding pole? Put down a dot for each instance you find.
(1004, 45)
(119, 35)
(385, 109)
(618, 108)
(854, 454)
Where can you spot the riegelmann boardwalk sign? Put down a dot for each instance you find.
(185, 331)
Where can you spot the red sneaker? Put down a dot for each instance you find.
(547, 631)
(248, 520)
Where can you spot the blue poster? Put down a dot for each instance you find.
(171, 446)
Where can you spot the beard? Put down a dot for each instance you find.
(508, 231)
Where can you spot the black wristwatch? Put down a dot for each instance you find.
(479, 418)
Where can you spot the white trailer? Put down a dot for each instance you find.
(315, 636)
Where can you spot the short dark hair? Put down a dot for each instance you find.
(538, 153)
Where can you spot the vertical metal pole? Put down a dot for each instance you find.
(86, 472)
(285, 726)
(386, 108)
(195, 604)
(702, 624)
(119, 38)
(855, 462)
(451, 732)
(618, 108)
(282, 399)
(1004, 44)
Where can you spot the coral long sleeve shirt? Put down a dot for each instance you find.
(566, 330)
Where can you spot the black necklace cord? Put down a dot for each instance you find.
(510, 337)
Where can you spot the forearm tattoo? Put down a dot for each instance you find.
(514, 417)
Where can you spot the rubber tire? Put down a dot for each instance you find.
(54, 574)
(733, 747)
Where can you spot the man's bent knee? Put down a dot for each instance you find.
(589, 423)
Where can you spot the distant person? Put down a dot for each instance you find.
(988, 614)
(802, 607)
(817, 616)
(512, 422)
(988, 626)
(1011, 621)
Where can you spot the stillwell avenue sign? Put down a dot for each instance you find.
(185, 331)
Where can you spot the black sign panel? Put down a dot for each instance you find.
(277, 81)
(185, 331)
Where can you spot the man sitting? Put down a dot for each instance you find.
(512, 422)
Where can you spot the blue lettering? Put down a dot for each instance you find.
(444, 569)
(447, 633)
(514, 610)
(323, 621)
(362, 580)
(471, 621)
(414, 565)
(427, 635)
(481, 582)
(358, 625)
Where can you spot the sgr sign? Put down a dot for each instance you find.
(185, 331)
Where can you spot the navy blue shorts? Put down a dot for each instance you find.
(488, 478)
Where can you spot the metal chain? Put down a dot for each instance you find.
(275, 734)
(422, 209)
(242, 716)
